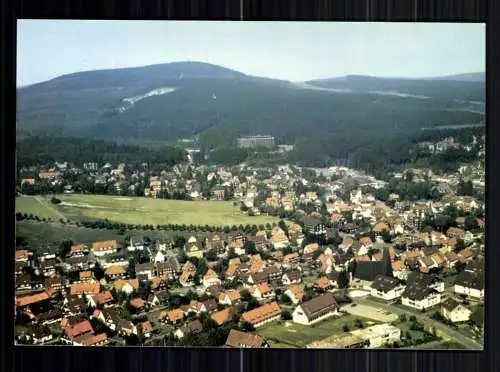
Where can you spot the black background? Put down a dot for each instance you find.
(48, 359)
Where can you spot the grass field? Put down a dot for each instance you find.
(145, 211)
(38, 233)
(296, 335)
(31, 205)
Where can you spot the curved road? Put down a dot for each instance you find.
(423, 318)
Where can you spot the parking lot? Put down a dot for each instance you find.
(370, 312)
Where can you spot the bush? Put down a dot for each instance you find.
(54, 200)
(345, 328)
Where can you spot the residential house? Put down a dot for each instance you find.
(239, 339)
(102, 248)
(292, 276)
(77, 251)
(230, 297)
(145, 269)
(387, 288)
(211, 278)
(146, 328)
(81, 289)
(192, 327)
(158, 298)
(86, 277)
(323, 283)
(427, 280)
(126, 286)
(173, 316)
(262, 315)
(261, 291)
(420, 297)
(168, 269)
(470, 284)
(116, 271)
(56, 283)
(316, 309)
(48, 267)
(126, 328)
(136, 244)
(399, 270)
(187, 278)
(314, 226)
(137, 303)
(103, 299)
(290, 259)
(223, 316)
(194, 248)
(455, 311)
(295, 293)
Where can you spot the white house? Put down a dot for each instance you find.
(316, 309)
(293, 276)
(160, 257)
(386, 288)
(420, 297)
(470, 284)
(136, 244)
(210, 279)
(454, 311)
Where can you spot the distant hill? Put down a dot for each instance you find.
(215, 104)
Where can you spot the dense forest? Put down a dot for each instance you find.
(38, 150)
(217, 105)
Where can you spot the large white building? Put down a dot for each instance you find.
(316, 309)
(470, 284)
(420, 297)
(386, 288)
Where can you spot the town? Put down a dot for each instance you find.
(335, 259)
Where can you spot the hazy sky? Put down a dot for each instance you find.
(291, 51)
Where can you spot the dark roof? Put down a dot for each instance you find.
(50, 315)
(311, 222)
(417, 292)
(319, 306)
(210, 304)
(450, 304)
(193, 327)
(240, 339)
(421, 278)
(369, 270)
(161, 295)
(125, 324)
(475, 266)
(48, 263)
(215, 290)
(355, 246)
(113, 313)
(470, 280)
(144, 267)
(259, 277)
(429, 251)
(272, 270)
(385, 283)
(294, 274)
(20, 265)
(333, 276)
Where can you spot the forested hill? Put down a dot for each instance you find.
(328, 119)
(47, 149)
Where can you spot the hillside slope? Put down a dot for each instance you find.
(178, 100)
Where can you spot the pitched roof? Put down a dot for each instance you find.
(103, 297)
(193, 326)
(85, 288)
(240, 339)
(319, 306)
(115, 270)
(94, 339)
(470, 279)
(137, 302)
(120, 283)
(146, 326)
(175, 315)
(450, 304)
(323, 282)
(417, 291)
(297, 291)
(79, 329)
(223, 316)
(385, 283)
(104, 245)
(261, 313)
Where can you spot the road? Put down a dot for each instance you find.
(424, 319)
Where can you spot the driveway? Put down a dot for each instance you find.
(424, 319)
(370, 312)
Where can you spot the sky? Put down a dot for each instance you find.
(296, 51)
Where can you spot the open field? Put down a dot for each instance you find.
(147, 211)
(296, 335)
(36, 206)
(38, 233)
